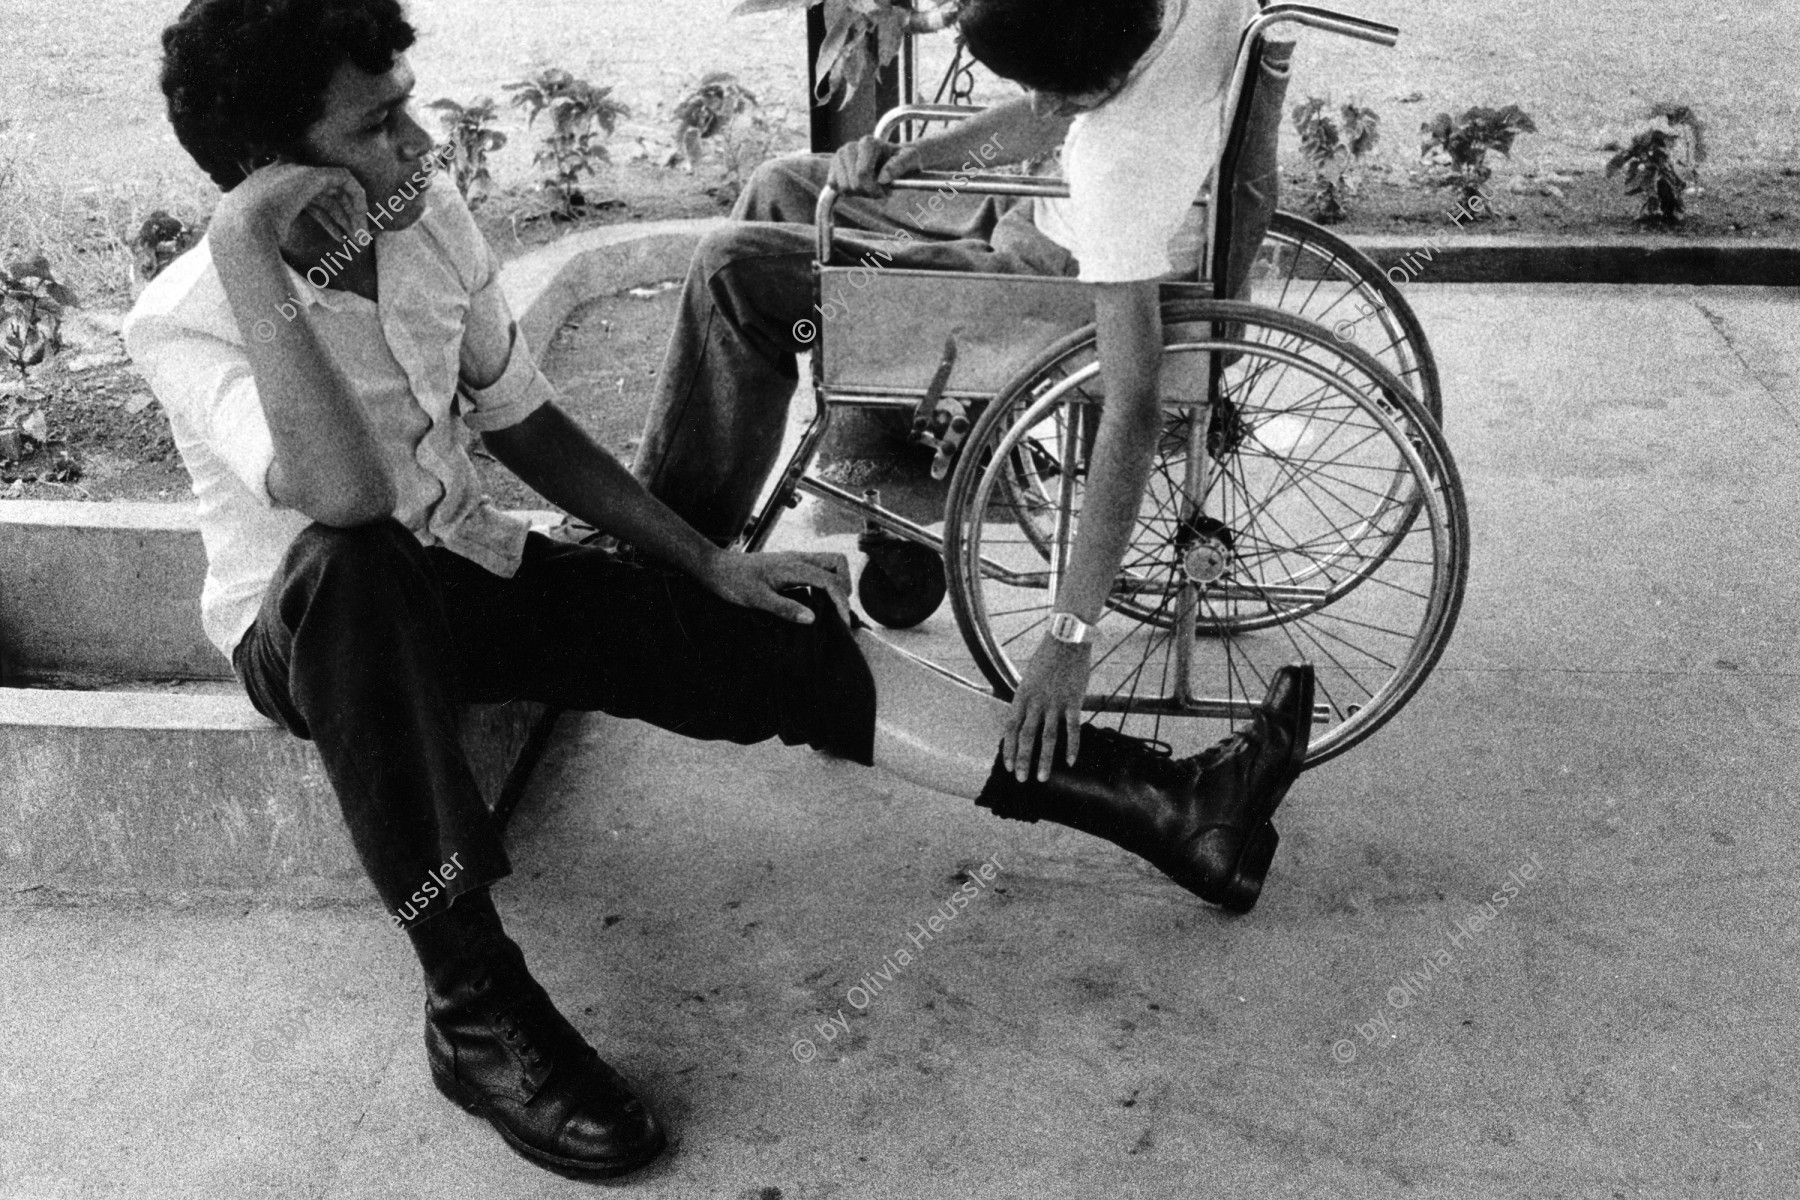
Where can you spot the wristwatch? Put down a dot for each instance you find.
(1067, 627)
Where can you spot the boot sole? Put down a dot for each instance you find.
(1245, 887)
(568, 1168)
(1240, 892)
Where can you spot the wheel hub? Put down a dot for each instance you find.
(1204, 546)
(1206, 561)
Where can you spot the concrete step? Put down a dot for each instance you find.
(156, 774)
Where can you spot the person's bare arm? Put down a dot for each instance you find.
(327, 464)
(1008, 132)
(560, 461)
(1010, 127)
(1129, 340)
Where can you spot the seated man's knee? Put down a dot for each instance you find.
(783, 189)
(730, 245)
(376, 548)
(721, 247)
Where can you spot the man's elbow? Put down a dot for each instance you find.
(347, 515)
(344, 508)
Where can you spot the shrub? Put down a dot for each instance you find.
(708, 112)
(1334, 147)
(158, 242)
(1461, 147)
(1662, 164)
(472, 138)
(573, 149)
(1651, 172)
(31, 308)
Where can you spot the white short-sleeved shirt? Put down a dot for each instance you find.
(402, 358)
(1136, 164)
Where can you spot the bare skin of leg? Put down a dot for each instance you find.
(930, 730)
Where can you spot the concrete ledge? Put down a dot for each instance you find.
(159, 789)
(546, 285)
(75, 577)
(108, 591)
(156, 792)
(1497, 259)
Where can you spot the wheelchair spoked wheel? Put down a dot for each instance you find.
(1314, 514)
(1306, 270)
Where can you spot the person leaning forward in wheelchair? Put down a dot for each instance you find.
(320, 354)
(1133, 94)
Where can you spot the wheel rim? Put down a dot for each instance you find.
(1305, 270)
(1347, 531)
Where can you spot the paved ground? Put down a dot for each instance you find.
(1615, 710)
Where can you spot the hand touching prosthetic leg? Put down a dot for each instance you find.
(1204, 821)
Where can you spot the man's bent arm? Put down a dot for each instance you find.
(560, 461)
(1010, 127)
(327, 464)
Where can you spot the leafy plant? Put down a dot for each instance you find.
(1462, 146)
(859, 35)
(1334, 147)
(1662, 164)
(472, 138)
(707, 112)
(574, 148)
(1685, 124)
(1651, 172)
(31, 308)
(158, 242)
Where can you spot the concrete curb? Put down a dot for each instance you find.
(151, 792)
(166, 786)
(1488, 258)
(547, 284)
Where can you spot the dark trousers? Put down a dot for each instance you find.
(367, 642)
(715, 424)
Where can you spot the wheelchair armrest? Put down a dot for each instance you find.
(983, 185)
(893, 118)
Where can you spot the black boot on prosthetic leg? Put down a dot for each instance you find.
(498, 1047)
(1202, 821)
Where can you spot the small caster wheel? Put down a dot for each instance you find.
(902, 583)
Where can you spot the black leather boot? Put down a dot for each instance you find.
(498, 1047)
(1202, 821)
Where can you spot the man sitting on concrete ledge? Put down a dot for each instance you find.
(319, 355)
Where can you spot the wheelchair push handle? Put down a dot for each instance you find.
(1315, 17)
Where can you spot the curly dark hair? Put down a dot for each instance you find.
(1063, 46)
(245, 79)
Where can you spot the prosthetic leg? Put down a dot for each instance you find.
(1203, 821)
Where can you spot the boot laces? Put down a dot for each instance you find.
(1226, 747)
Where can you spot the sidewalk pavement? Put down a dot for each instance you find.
(1611, 733)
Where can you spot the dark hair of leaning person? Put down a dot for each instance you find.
(1069, 47)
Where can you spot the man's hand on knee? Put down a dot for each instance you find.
(756, 580)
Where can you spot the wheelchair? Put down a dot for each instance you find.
(1303, 502)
